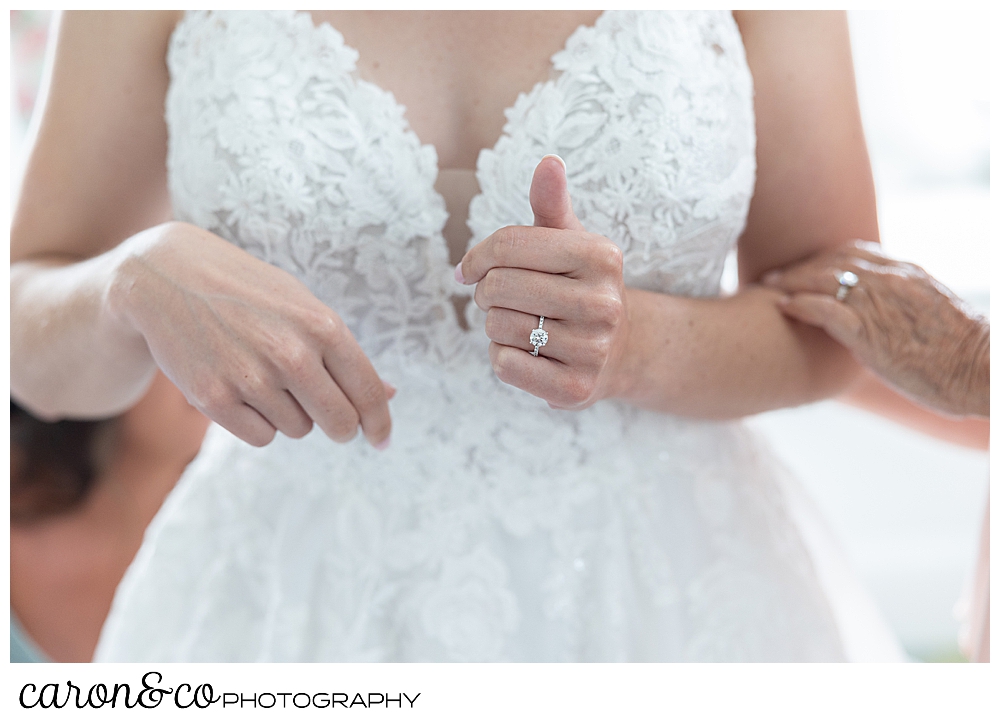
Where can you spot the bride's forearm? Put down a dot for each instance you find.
(725, 358)
(71, 357)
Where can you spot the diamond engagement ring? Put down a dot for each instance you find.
(539, 337)
(847, 280)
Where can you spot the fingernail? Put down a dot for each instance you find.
(383, 445)
(390, 391)
(458, 274)
(558, 158)
(771, 277)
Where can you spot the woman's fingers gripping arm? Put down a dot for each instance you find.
(898, 321)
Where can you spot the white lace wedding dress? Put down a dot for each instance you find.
(493, 528)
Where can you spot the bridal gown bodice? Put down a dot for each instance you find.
(493, 528)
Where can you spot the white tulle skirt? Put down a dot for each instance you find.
(492, 529)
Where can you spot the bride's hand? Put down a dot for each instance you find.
(246, 342)
(558, 270)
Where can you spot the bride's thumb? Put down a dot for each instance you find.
(549, 196)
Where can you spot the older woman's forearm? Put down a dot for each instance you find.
(726, 358)
(874, 394)
(974, 371)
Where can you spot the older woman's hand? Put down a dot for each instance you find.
(557, 270)
(898, 321)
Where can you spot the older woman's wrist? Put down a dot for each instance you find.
(978, 396)
(970, 374)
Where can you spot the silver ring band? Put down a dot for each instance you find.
(539, 337)
(847, 280)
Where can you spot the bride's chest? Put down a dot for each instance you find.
(285, 139)
(455, 72)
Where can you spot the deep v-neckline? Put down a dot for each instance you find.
(355, 75)
(407, 127)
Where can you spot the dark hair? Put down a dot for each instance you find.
(53, 465)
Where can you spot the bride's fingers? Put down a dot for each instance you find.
(513, 328)
(360, 383)
(558, 384)
(390, 391)
(320, 397)
(530, 292)
(282, 412)
(547, 250)
(244, 421)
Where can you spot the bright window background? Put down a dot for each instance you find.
(28, 36)
(906, 508)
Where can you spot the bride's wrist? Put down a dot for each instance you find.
(126, 272)
(625, 376)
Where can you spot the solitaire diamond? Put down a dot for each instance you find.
(539, 337)
(848, 278)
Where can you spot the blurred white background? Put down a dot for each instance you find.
(906, 508)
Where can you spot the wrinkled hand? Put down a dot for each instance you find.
(898, 321)
(557, 270)
(247, 343)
